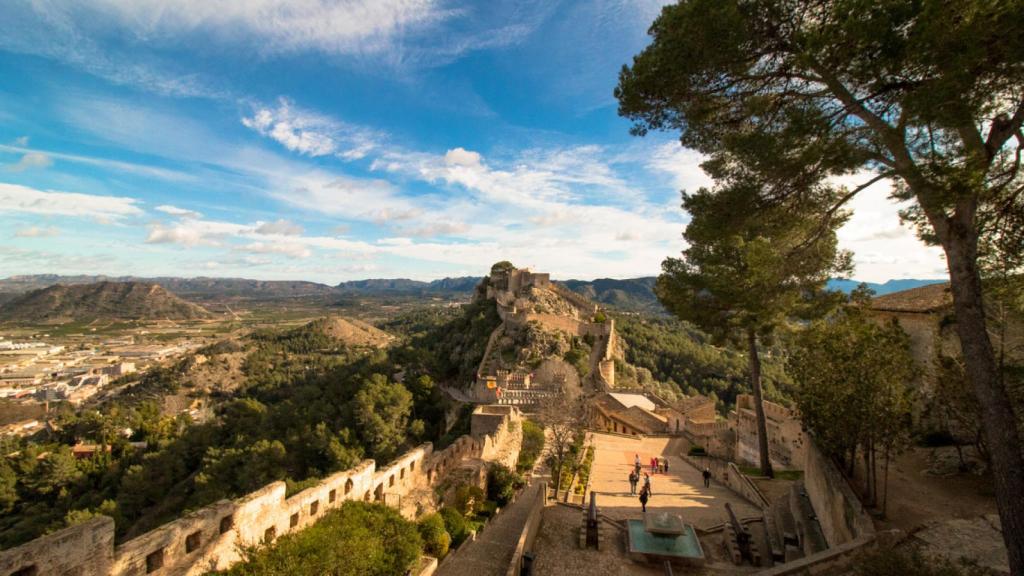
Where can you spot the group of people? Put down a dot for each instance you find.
(656, 465)
(634, 479)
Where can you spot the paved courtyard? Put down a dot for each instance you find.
(679, 491)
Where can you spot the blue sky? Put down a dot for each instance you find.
(334, 140)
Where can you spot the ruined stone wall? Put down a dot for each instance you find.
(209, 538)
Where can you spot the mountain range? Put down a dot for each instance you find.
(101, 300)
(631, 294)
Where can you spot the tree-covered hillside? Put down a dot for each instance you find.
(677, 353)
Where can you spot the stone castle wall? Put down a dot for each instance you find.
(210, 538)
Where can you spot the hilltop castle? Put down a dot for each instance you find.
(527, 299)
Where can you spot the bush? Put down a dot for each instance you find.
(455, 524)
(697, 451)
(436, 539)
(533, 444)
(357, 539)
(501, 484)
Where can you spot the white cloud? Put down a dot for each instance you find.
(290, 249)
(37, 232)
(682, 165)
(142, 169)
(31, 160)
(21, 141)
(311, 134)
(16, 198)
(882, 247)
(462, 157)
(280, 227)
(193, 232)
(330, 26)
(180, 212)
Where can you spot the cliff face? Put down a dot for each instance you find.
(102, 300)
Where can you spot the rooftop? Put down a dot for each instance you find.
(631, 400)
(923, 299)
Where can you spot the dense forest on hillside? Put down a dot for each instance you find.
(684, 357)
(309, 405)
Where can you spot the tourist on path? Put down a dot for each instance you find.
(647, 484)
(644, 495)
(654, 465)
(666, 465)
(707, 477)
(633, 479)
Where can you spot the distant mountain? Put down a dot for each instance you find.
(406, 287)
(633, 294)
(200, 287)
(888, 287)
(102, 300)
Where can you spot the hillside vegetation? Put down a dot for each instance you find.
(102, 300)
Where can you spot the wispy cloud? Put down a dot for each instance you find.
(120, 166)
(23, 199)
(37, 232)
(175, 211)
(280, 227)
(31, 160)
(311, 134)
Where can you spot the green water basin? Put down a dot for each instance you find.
(682, 546)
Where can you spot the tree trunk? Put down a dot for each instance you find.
(1000, 426)
(885, 496)
(762, 422)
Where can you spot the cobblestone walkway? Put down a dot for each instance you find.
(492, 551)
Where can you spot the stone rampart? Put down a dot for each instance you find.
(211, 538)
(839, 511)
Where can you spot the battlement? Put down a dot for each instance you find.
(210, 538)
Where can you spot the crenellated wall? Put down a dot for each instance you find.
(210, 538)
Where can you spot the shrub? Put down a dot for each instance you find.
(467, 499)
(501, 484)
(697, 451)
(455, 525)
(533, 444)
(436, 539)
(357, 539)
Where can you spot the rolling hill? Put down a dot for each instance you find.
(102, 300)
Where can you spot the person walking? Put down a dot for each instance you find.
(633, 479)
(644, 495)
(666, 465)
(707, 477)
(654, 465)
(647, 485)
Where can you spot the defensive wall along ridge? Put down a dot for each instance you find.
(211, 538)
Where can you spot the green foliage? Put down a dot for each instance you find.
(682, 357)
(382, 413)
(853, 377)
(468, 499)
(583, 473)
(8, 492)
(533, 444)
(697, 451)
(436, 539)
(502, 483)
(357, 539)
(455, 524)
